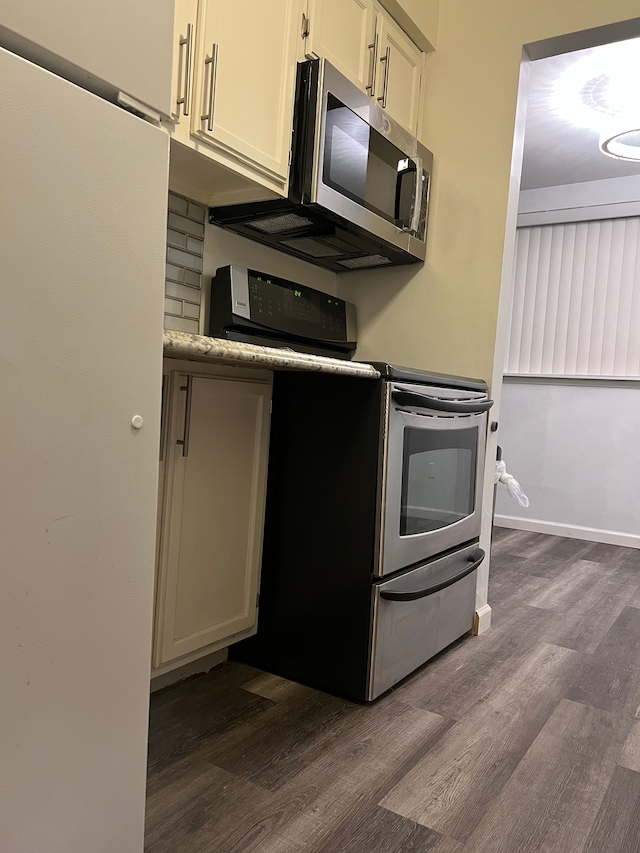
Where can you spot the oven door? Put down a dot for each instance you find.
(434, 462)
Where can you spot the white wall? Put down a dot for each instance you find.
(571, 442)
(222, 248)
(605, 199)
(573, 446)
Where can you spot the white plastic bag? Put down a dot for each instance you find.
(513, 486)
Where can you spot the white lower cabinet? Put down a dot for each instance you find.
(210, 545)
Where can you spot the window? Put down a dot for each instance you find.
(576, 301)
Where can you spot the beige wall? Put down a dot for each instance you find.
(418, 18)
(448, 315)
(443, 315)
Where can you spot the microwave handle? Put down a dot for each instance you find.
(410, 165)
(413, 164)
(475, 559)
(417, 198)
(409, 398)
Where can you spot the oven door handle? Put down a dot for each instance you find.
(409, 398)
(475, 559)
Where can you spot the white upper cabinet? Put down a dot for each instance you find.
(342, 31)
(245, 67)
(398, 77)
(364, 42)
(122, 45)
(233, 86)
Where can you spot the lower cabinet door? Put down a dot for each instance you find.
(211, 541)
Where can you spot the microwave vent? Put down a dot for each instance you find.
(312, 247)
(280, 224)
(367, 261)
(345, 247)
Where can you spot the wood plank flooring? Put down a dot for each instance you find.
(523, 740)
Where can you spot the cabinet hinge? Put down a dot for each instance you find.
(270, 407)
(290, 155)
(306, 23)
(258, 600)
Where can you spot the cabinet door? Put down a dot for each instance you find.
(244, 80)
(399, 72)
(213, 513)
(342, 31)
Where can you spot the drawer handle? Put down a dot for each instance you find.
(475, 559)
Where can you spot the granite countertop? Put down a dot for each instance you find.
(217, 350)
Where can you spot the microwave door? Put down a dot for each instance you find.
(357, 170)
(357, 178)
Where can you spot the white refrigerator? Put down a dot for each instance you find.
(83, 196)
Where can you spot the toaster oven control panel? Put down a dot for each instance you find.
(242, 297)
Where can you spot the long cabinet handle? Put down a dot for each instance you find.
(373, 65)
(185, 100)
(213, 73)
(184, 441)
(383, 97)
(475, 559)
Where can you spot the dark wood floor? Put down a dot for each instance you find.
(524, 739)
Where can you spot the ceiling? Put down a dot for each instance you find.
(570, 95)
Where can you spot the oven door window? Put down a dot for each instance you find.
(438, 478)
(362, 165)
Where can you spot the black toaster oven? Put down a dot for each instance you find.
(253, 307)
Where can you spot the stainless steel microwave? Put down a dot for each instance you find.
(359, 183)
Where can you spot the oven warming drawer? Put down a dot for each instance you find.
(419, 613)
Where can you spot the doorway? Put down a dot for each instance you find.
(570, 299)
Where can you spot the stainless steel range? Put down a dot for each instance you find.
(372, 526)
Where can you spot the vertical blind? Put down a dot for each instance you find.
(576, 301)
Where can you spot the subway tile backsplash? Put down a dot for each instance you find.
(183, 277)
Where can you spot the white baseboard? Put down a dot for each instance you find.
(573, 531)
(173, 672)
(482, 620)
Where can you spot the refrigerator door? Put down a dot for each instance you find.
(419, 613)
(120, 45)
(82, 237)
